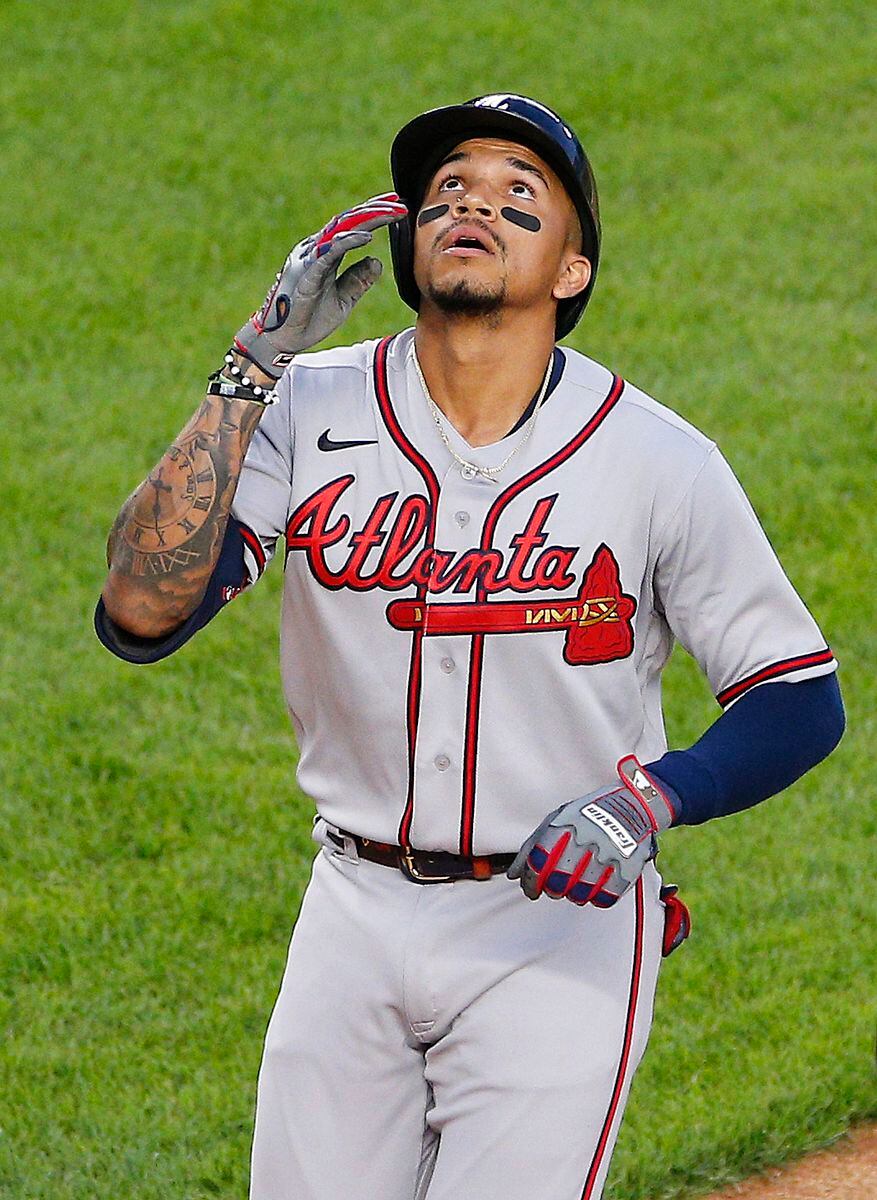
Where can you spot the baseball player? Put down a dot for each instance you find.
(491, 544)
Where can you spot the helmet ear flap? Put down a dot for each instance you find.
(402, 254)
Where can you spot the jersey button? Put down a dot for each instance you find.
(448, 665)
(442, 762)
(462, 519)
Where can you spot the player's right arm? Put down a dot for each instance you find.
(165, 542)
(170, 535)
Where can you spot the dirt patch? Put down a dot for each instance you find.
(846, 1171)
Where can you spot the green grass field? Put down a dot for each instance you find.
(158, 160)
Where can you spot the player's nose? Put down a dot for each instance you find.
(474, 203)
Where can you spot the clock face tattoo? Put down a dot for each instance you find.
(175, 500)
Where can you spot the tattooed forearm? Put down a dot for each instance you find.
(165, 541)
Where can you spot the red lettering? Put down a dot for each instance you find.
(421, 569)
(408, 529)
(314, 527)
(552, 569)
(370, 536)
(317, 509)
(525, 543)
(470, 568)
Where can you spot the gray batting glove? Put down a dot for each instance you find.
(307, 302)
(592, 850)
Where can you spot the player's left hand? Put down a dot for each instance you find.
(592, 850)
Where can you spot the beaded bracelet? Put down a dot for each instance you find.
(236, 370)
(239, 388)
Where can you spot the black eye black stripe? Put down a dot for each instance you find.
(524, 219)
(432, 214)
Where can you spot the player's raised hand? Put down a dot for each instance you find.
(593, 849)
(308, 299)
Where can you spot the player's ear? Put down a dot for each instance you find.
(575, 273)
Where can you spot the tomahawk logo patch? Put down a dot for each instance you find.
(604, 630)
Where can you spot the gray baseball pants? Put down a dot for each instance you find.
(433, 1042)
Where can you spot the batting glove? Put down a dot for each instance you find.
(592, 850)
(306, 301)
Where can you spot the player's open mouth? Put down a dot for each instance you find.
(466, 241)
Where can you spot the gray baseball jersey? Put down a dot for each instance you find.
(460, 653)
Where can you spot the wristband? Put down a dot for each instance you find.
(243, 388)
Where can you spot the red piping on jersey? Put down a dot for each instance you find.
(385, 406)
(786, 666)
(255, 546)
(556, 460)
(470, 745)
(473, 704)
(621, 1075)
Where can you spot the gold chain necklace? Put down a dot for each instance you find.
(470, 469)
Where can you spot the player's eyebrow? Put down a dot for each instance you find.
(457, 156)
(520, 164)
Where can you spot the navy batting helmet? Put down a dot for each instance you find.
(421, 145)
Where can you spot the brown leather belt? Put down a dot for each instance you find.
(425, 866)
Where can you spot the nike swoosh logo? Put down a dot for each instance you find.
(324, 442)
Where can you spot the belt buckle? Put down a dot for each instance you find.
(342, 843)
(410, 871)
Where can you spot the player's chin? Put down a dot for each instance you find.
(463, 294)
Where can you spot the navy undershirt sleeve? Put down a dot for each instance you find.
(229, 577)
(758, 747)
